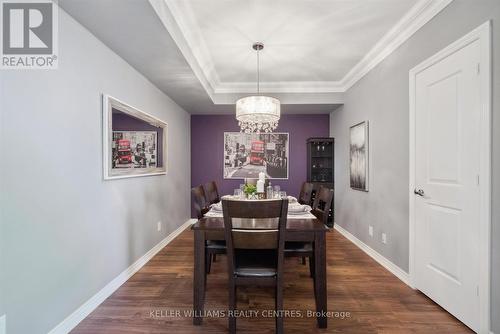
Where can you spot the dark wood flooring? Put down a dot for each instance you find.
(372, 299)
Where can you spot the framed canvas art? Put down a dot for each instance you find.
(358, 156)
(248, 154)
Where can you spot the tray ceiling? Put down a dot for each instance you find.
(199, 51)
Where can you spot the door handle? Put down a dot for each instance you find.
(419, 192)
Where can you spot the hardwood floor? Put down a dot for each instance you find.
(374, 300)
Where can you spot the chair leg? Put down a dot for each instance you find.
(232, 309)
(279, 309)
(303, 260)
(311, 266)
(208, 262)
(215, 257)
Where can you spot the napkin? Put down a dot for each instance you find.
(216, 206)
(298, 209)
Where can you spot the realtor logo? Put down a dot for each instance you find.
(29, 39)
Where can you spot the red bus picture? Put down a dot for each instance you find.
(124, 151)
(257, 153)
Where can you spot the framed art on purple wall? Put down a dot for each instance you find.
(134, 143)
(248, 154)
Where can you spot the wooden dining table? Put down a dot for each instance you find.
(297, 229)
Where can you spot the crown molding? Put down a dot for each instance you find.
(416, 18)
(197, 57)
(281, 87)
(287, 98)
(180, 22)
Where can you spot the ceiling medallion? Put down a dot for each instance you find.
(258, 113)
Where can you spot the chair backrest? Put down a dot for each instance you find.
(199, 201)
(306, 193)
(322, 203)
(211, 192)
(272, 238)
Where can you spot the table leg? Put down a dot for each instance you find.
(320, 290)
(199, 276)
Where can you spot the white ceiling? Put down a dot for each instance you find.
(305, 40)
(199, 51)
(312, 46)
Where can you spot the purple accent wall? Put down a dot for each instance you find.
(124, 122)
(207, 148)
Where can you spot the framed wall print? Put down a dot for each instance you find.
(134, 142)
(359, 156)
(248, 154)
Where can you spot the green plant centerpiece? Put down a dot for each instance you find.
(250, 190)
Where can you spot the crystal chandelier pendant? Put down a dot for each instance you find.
(258, 113)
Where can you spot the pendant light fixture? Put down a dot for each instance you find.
(258, 113)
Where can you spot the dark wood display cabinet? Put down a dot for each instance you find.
(320, 167)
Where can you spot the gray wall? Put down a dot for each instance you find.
(65, 233)
(382, 98)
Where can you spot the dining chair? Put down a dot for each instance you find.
(211, 192)
(306, 193)
(320, 210)
(322, 204)
(255, 257)
(199, 201)
(212, 247)
(305, 198)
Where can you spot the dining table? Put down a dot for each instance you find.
(300, 229)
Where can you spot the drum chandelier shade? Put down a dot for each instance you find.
(258, 113)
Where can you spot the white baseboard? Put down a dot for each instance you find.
(394, 269)
(83, 311)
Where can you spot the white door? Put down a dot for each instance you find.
(447, 122)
